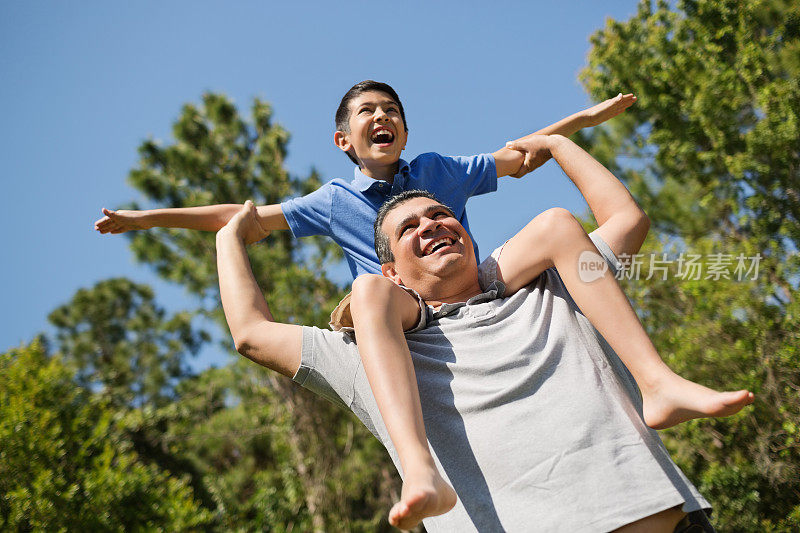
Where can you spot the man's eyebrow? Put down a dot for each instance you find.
(426, 211)
(400, 225)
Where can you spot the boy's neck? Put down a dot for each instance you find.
(381, 172)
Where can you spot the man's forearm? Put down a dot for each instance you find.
(256, 335)
(244, 305)
(604, 193)
(242, 301)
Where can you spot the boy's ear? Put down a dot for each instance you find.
(342, 140)
(387, 269)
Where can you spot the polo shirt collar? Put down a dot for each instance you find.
(363, 182)
(495, 290)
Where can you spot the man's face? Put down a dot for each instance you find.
(376, 131)
(427, 241)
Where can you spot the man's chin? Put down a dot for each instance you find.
(448, 262)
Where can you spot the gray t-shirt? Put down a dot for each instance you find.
(530, 415)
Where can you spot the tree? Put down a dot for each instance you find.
(712, 152)
(122, 342)
(233, 424)
(284, 444)
(64, 464)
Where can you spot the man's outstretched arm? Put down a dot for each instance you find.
(622, 223)
(255, 333)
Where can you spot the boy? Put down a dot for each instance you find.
(372, 131)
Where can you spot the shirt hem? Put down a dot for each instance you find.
(643, 510)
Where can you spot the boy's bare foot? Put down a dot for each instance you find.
(609, 109)
(424, 494)
(674, 400)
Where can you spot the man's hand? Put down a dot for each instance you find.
(605, 110)
(535, 148)
(245, 225)
(120, 221)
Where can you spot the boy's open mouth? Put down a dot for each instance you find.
(382, 136)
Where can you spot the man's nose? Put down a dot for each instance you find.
(427, 225)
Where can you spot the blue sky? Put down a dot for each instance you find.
(85, 82)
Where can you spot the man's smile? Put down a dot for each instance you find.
(438, 244)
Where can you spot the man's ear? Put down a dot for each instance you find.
(387, 269)
(342, 140)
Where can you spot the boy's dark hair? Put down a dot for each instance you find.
(382, 249)
(343, 111)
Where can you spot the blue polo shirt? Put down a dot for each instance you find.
(345, 211)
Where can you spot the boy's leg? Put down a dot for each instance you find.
(381, 312)
(556, 238)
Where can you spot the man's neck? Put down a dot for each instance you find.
(442, 294)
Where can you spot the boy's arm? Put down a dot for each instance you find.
(518, 163)
(255, 333)
(206, 218)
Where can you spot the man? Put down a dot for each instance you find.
(530, 415)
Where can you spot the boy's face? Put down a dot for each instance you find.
(377, 134)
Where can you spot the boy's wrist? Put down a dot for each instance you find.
(144, 219)
(582, 119)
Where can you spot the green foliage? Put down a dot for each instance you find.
(712, 152)
(719, 99)
(728, 334)
(123, 343)
(263, 471)
(64, 466)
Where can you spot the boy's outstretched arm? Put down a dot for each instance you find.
(256, 334)
(206, 218)
(517, 163)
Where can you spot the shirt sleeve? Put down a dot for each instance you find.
(328, 365)
(476, 174)
(605, 250)
(309, 214)
(480, 173)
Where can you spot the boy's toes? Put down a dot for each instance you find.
(397, 513)
(735, 400)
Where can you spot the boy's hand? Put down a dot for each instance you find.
(609, 109)
(536, 150)
(245, 226)
(120, 221)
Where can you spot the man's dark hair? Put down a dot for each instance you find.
(382, 248)
(343, 111)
